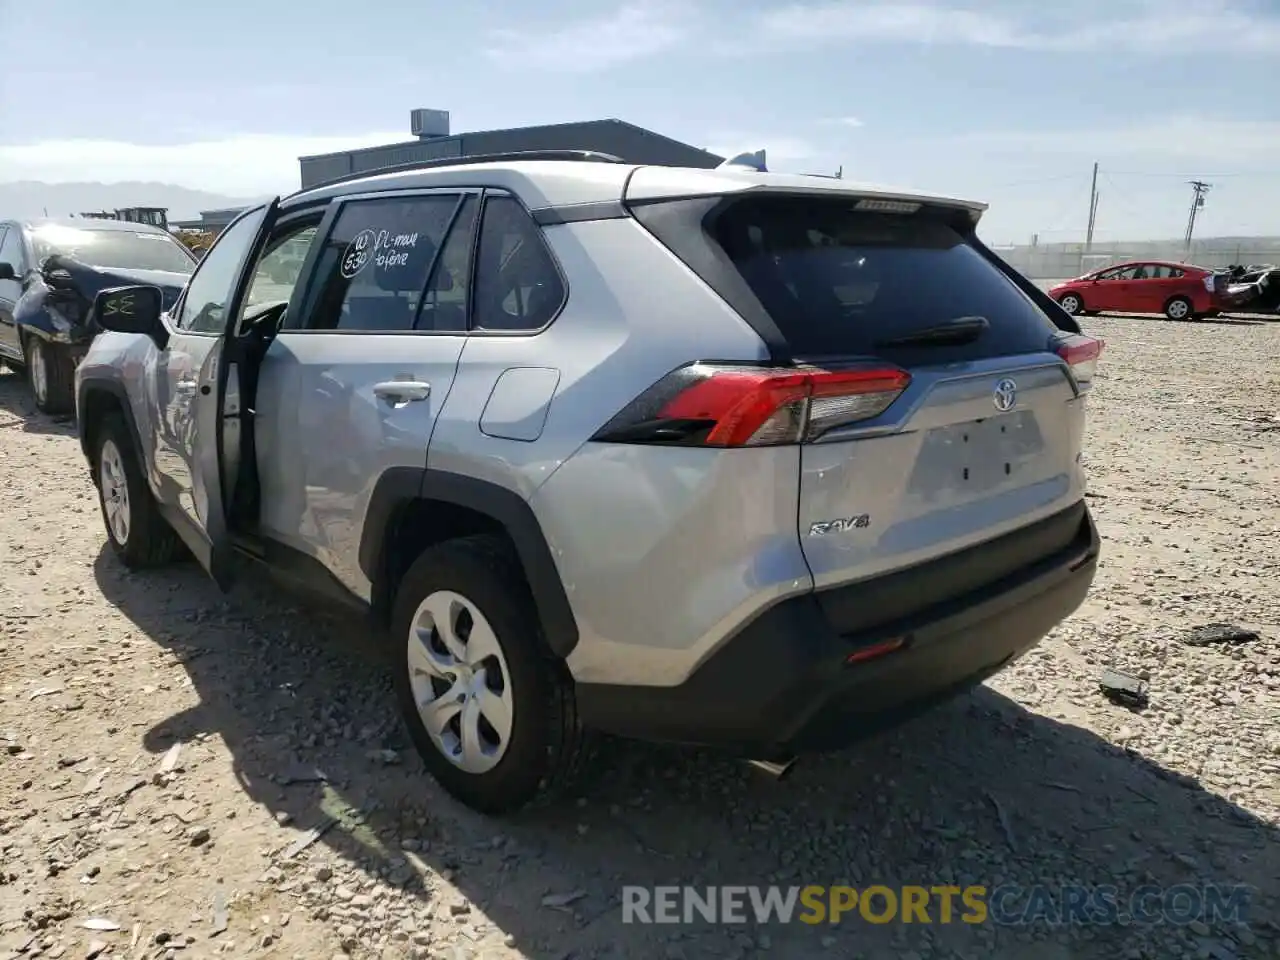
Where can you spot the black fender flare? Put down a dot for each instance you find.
(399, 486)
(84, 422)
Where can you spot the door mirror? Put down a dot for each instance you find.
(132, 310)
(7, 272)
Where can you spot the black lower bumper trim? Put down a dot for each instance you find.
(783, 685)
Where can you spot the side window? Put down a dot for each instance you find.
(1125, 273)
(277, 272)
(1107, 275)
(444, 305)
(1175, 273)
(518, 285)
(204, 304)
(372, 273)
(11, 248)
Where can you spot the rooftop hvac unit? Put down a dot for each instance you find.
(755, 160)
(425, 123)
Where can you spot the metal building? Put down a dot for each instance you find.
(435, 142)
(210, 221)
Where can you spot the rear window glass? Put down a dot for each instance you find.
(838, 281)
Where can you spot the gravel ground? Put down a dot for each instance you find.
(168, 754)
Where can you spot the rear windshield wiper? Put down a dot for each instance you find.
(951, 332)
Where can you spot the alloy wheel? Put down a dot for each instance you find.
(115, 492)
(39, 371)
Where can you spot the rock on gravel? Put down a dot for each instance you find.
(221, 847)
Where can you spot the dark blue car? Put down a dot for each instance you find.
(50, 272)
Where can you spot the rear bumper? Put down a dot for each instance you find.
(783, 685)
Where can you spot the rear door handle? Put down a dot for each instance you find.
(402, 391)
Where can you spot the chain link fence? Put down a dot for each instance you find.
(1060, 261)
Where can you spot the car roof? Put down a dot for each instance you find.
(652, 183)
(555, 183)
(88, 223)
(1158, 263)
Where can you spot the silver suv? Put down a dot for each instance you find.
(719, 457)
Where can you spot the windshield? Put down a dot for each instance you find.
(118, 249)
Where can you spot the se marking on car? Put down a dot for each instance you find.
(122, 305)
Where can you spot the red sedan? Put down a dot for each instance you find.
(1178, 290)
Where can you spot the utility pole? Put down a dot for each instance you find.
(1198, 189)
(1093, 209)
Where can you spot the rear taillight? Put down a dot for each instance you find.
(1081, 355)
(719, 405)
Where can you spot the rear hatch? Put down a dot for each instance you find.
(945, 407)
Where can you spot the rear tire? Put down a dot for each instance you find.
(1072, 303)
(51, 374)
(1178, 309)
(138, 534)
(489, 708)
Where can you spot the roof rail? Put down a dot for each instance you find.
(591, 156)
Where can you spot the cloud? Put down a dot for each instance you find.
(635, 31)
(1228, 145)
(1137, 26)
(915, 23)
(237, 166)
(843, 122)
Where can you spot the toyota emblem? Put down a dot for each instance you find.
(1005, 395)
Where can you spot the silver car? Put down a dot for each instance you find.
(719, 457)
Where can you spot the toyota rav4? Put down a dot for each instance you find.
(720, 457)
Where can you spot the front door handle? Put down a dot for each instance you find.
(402, 391)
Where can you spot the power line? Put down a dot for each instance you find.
(1119, 197)
(1251, 174)
(1038, 182)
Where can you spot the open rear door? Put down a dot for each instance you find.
(219, 401)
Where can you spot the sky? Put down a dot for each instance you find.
(1007, 101)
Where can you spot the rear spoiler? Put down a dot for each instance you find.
(1061, 319)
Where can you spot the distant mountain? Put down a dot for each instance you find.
(31, 198)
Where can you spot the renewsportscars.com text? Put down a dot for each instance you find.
(1005, 905)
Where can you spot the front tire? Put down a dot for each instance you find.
(1179, 308)
(1072, 303)
(489, 708)
(51, 374)
(138, 534)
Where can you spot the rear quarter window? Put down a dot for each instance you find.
(839, 282)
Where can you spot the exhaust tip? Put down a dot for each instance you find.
(778, 771)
